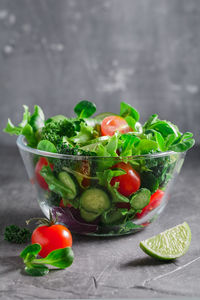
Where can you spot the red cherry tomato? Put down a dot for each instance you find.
(154, 202)
(129, 183)
(51, 238)
(41, 162)
(112, 124)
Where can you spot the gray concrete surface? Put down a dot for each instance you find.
(103, 268)
(145, 52)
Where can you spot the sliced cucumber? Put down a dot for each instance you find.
(112, 217)
(140, 199)
(66, 179)
(95, 200)
(88, 216)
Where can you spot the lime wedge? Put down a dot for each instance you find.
(169, 244)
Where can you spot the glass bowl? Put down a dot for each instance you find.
(75, 189)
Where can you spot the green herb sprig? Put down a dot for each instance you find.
(16, 234)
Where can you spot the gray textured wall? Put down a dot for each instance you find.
(56, 52)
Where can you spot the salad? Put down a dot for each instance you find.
(106, 173)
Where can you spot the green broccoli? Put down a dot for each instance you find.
(69, 150)
(55, 131)
(16, 234)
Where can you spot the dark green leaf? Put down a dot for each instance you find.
(116, 196)
(152, 119)
(95, 142)
(47, 146)
(85, 109)
(157, 136)
(160, 140)
(111, 147)
(106, 176)
(183, 143)
(55, 185)
(60, 258)
(27, 131)
(113, 217)
(131, 122)
(102, 151)
(149, 181)
(129, 141)
(128, 226)
(33, 249)
(84, 134)
(36, 270)
(169, 140)
(127, 110)
(145, 147)
(165, 128)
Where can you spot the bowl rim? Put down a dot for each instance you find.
(23, 146)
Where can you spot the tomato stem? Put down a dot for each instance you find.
(44, 221)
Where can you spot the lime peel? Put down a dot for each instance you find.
(169, 244)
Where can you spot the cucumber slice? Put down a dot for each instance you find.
(95, 200)
(88, 216)
(112, 217)
(66, 179)
(140, 199)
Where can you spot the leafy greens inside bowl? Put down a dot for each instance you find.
(101, 175)
(82, 135)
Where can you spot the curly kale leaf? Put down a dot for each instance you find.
(158, 172)
(16, 234)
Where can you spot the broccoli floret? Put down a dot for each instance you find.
(73, 150)
(51, 133)
(16, 234)
(67, 149)
(55, 131)
(70, 163)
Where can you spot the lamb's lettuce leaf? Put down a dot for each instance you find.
(85, 109)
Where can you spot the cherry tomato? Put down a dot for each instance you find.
(51, 238)
(41, 162)
(154, 202)
(129, 183)
(112, 124)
